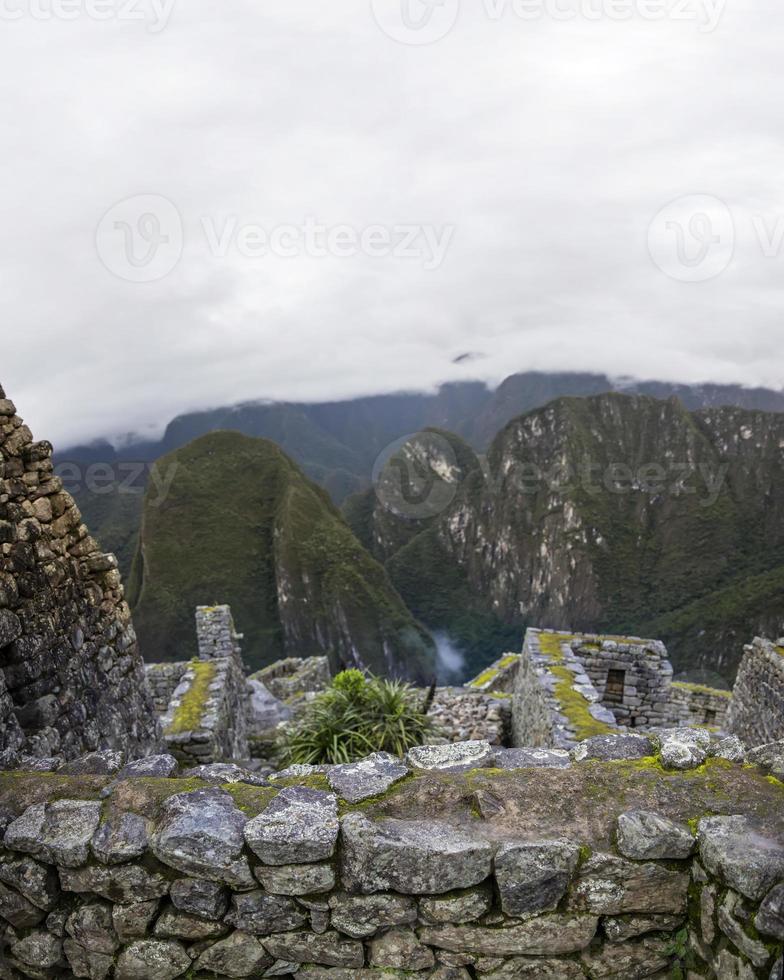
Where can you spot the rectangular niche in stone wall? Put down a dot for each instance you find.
(614, 689)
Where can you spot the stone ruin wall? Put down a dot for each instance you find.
(208, 715)
(71, 677)
(756, 712)
(692, 704)
(434, 865)
(647, 676)
(570, 685)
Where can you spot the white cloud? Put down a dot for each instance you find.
(549, 146)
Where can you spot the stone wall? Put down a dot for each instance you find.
(71, 672)
(631, 676)
(207, 718)
(756, 713)
(461, 713)
(555, 704)
(215, 633)
(163, 679)
(435, 866)
(499, 677)
(693, 704)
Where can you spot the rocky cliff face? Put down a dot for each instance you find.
(612, 513)
(241, 522)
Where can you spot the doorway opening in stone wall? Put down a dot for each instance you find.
(710, 716)
(613, 691)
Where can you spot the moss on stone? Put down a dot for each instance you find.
(187, 717)
(702, 689)
(485, 677)
(573, 704)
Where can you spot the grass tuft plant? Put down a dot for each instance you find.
(355, 716)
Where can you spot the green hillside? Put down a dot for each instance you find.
(242, 524)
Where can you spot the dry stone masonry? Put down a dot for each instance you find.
(463, 861)
(570, 686)
(71, 677)
(756, 713)
(207, 718)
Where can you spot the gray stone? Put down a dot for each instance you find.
(769, 758)
(58, 832)
(361, 916)
(399, 949)
(10, 627)
(751, 948)
(546, 935)
(299, 771)
(359, 781)
(86, 962)
(123, 837)
(281, 968)
(416, 857)
(37, 882)
(26, 832)
(728, 966)
(299, 826)
(152, 959)
(733, 850)
(684, 748)
(104, 763)
(770, 918)
(17, 910)
(532, 759)
(238, 955)
(92, 927)
(466, 905)
(124, 883)
(330, 949)
(644, 836)
(296, 879)
(622, 927)
(39, 949)
(530, 968)
(155, 766)
(201, 834)
(534, 877)
(453, 757)
(174, 924)
(730, 748)
(633, 960)
(197, 896)
(610, 748)
(262, 914)
(133, 921)
(224, 772)
(609, 885)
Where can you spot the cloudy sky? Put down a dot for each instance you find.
(206, 202)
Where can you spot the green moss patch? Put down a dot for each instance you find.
(187, 717)
(573, 704)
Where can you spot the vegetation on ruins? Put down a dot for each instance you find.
(355, 716)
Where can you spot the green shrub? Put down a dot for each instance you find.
(355, 716)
